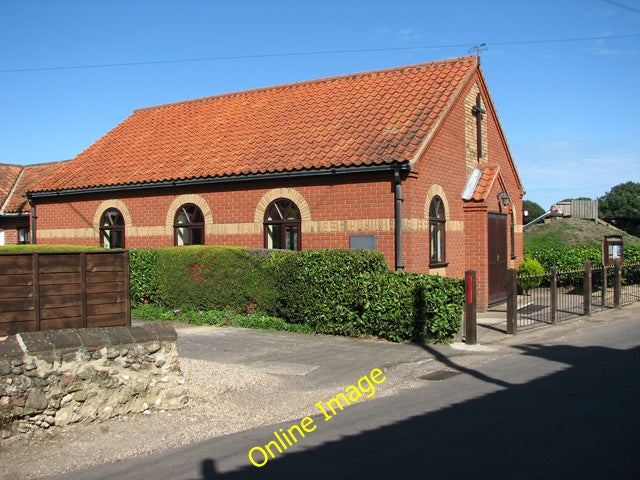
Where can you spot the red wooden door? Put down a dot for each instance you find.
(497, 238)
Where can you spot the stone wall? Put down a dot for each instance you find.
(57, 377)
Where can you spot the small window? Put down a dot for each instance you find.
(112, 229)
(437, 257)
(282, 225)
(24, 236)
(188, 225)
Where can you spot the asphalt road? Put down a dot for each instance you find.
(556, 409)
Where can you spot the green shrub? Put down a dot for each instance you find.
(352, 292)
(530, 274)
(631, 254)
(143, 283)
(565, 258)
(318, 286)
(573, 258)
(214, 278)
(442, 300)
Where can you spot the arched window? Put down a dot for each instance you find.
(112, 229)
(282, 225)
(188, 225)
(437, 257)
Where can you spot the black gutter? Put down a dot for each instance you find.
(226, 179)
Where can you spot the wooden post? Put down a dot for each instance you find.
(83, 287)
(127, 288)
(470, 311)
(36, 290)
(617, 282)
(604, 286)
(512, 301)
(554, 295)
(586, 288)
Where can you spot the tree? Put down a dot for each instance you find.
(534, 210)
(621, 206)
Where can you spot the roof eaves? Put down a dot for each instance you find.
(329, 171)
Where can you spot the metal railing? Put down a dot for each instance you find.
(535, 300)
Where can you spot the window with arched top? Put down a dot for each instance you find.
(188, 225)
(437, 223)
(282, 223)
(112, 229)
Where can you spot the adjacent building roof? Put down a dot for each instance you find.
(8, 176)
(365, 119)
(17, 180)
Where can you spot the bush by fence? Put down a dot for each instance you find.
(340, 292)
(143, 280)
(573, 258)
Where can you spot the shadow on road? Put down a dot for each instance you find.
(581, 422)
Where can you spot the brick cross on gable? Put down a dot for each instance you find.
(478, 111)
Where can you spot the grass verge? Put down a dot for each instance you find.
(218, 318)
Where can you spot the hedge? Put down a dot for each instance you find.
(143, 282)
(214, 278)
(338, 292)
(352, 292)
(573, 258)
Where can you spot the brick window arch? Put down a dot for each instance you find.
(188, 225)
(112, 229)
(282, 225)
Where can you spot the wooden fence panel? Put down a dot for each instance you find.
(43, 291)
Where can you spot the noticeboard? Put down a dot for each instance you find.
(612, 249)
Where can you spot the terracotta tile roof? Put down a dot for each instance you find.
(368, 118)
(23, 179)
(8, 176)
(481, 181)
(489, 173)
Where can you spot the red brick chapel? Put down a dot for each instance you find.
(410, 161)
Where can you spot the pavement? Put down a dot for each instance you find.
(309, 362)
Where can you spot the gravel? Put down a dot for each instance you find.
(223, 399)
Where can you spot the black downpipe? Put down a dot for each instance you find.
(398, 218)
(33, 219)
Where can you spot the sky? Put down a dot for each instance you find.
(564, 76)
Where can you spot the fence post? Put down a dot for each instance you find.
(586, 288)
(127, 288)
(82, 260)
(36, 290)
(470, 311)
(512, 302)
(554, 295)
(617, 282)
(604, 286)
